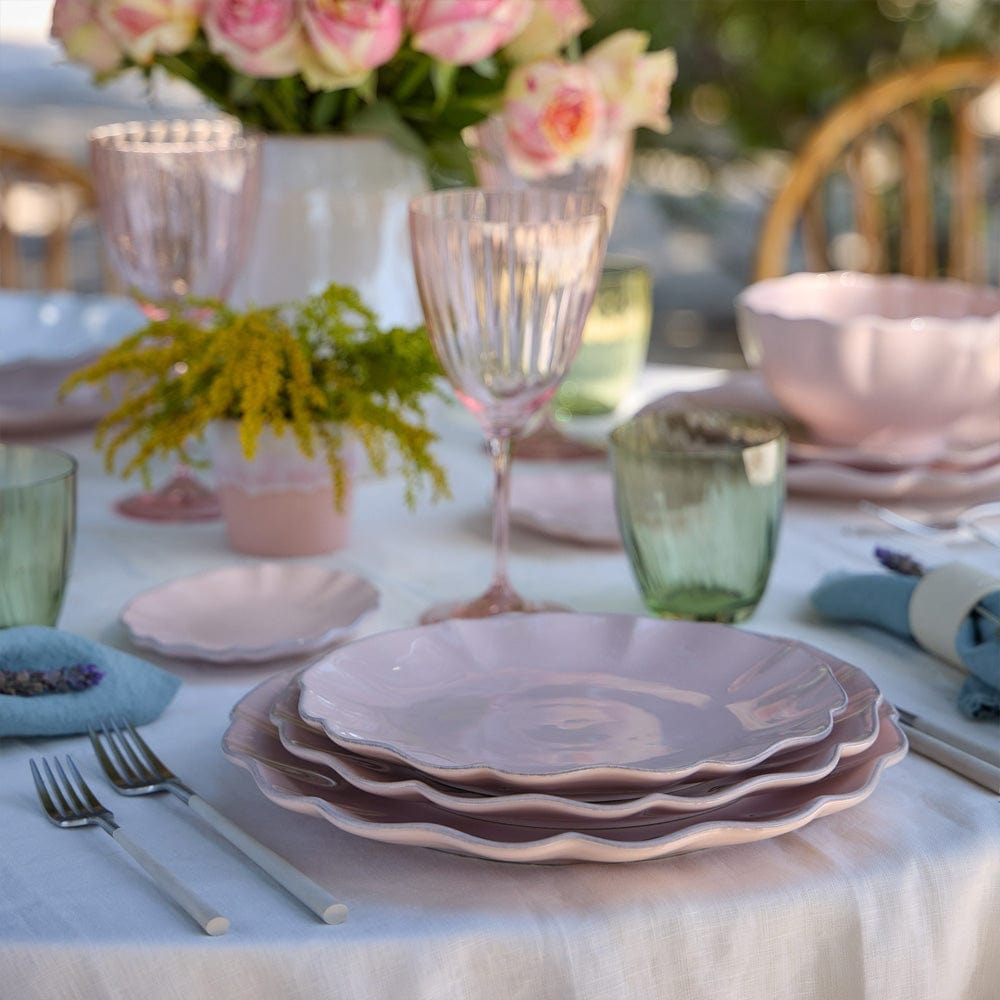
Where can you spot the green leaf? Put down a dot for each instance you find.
(383, 118)
(325, 107)
(411, 80)
(443, 80)
(367, 90)
(450, 163)
(240, 88)
(487, 68)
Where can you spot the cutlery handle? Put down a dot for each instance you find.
(318, 899)
(974, 768)
(209, 919)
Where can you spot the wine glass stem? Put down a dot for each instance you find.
(500, 452)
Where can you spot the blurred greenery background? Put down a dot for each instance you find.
(761, 71)
(754, 76)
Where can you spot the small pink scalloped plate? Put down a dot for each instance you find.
(250, 614)
(571, 506)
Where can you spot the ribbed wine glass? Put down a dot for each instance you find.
(605, 173)
(176, 202)
(506, 279)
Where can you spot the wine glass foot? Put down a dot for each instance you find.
(550, 444)
(182, 498)
(496, 601)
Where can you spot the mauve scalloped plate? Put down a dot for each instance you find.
(854, 730)
(571, 702)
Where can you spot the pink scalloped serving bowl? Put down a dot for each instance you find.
(877, 361)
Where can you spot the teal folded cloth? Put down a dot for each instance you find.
(129, 688)
(883, 600)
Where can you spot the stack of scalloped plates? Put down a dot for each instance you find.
(568, 737)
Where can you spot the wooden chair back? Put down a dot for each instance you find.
(902, 176)
(42, 200)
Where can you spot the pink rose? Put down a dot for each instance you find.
(552, 117)
(146, 28)
(461, 32)
(553, 24)
(261, 38)
(636, 86)
(76, 25)
(349, 38)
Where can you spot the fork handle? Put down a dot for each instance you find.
(318, 899)
(208, 918)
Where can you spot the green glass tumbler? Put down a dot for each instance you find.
(615, 341)
(37, 533)
(699, 497)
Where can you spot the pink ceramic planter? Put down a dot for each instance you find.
(279, 504)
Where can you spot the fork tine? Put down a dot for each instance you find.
(107, 765)
(128, 760)
(151, 758)
(43, 793)
(92, 800)
(75, 800)
(63, 808)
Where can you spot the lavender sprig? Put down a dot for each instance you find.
(906, 565)
(58, 680)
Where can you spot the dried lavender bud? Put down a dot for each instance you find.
(899, 562)
(59, 680)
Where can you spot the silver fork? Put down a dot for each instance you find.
(133, 769)
(69, 802)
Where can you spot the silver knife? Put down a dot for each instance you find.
(950, 756)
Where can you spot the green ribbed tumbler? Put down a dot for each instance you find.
(37, 533)
(699, 497)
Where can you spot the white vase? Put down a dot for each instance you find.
(280, 502)
(334, 209)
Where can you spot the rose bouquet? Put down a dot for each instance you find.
(419, 71)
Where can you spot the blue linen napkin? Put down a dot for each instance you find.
(130, 688)
(883, 600)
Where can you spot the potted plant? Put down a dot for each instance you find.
(282, 394)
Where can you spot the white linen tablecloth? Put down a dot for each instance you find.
(898, 897)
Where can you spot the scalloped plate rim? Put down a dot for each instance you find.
(288, 646)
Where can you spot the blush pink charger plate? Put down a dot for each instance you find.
(249, 613)
(818, 768)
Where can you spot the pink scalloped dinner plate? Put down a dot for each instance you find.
(571, 702)
(854, 730)
(284, 779)
(571, 506)
(250, 614)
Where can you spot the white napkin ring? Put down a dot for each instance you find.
(940, 603)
